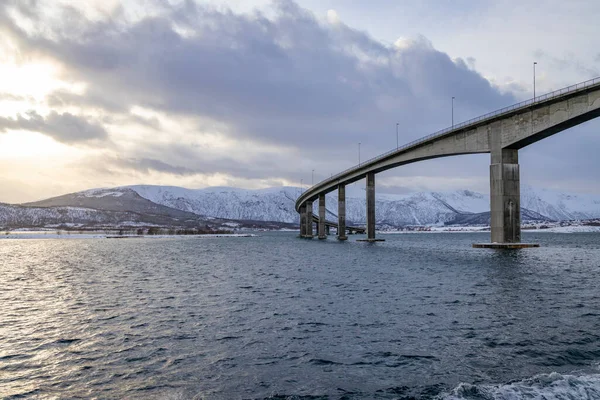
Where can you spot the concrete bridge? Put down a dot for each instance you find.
(501, 133)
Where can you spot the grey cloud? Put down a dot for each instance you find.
(199, 160)
(146, 165)
(288, 79)
(91, 99)
(66, 128)
(13, 97)
(471, 61)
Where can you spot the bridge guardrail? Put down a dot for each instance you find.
(535, 100)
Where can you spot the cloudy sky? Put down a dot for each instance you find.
(259, 93)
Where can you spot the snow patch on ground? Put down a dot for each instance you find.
(101, 193)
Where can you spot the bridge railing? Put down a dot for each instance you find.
(535, 100)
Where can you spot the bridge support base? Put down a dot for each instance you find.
(309, 220)
(321, 227)
(505, 245)
(371, 240)
(341, 232)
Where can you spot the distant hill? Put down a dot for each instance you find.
(120, 200)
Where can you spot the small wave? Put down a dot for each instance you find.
(67, 341)
(425, 356)
(320, 361)
(589, 315)
(15, 357)
(228, 338)
(313, 323)
(552, 386)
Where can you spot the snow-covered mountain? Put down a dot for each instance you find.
(168, 205)
(119, 200)
(560, 206)
(112, 208)
(277, 204)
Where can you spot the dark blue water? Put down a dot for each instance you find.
(419, 316)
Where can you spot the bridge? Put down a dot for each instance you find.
(500, 133)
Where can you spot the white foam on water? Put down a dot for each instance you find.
(552, 386)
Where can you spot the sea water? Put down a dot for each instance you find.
(274, 316)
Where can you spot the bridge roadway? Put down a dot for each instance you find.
(501, 133)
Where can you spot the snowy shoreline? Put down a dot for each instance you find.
(23, 234)
(475, 229)
(100, 235)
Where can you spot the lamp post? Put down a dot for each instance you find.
(301, 185)
(453, 111)
(312, 179)
(397, 123)
(359, 154)
(534, 64)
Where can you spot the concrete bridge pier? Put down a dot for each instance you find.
(342, 213)
(371, 209)
(370, 206)
(321, 226)
(505, 201)
(303, 220)
(309, 220)
(505, 196)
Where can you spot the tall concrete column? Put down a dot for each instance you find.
(370, 206)
(322, 233)
(309, 219)
(505, 196)
(303, 220)
(342, 213)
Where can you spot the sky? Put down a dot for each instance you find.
(261, 93)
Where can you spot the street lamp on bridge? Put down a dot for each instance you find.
(453, 111)
(397, 123)
(534, 64)
(359, 154)
(312, 179)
